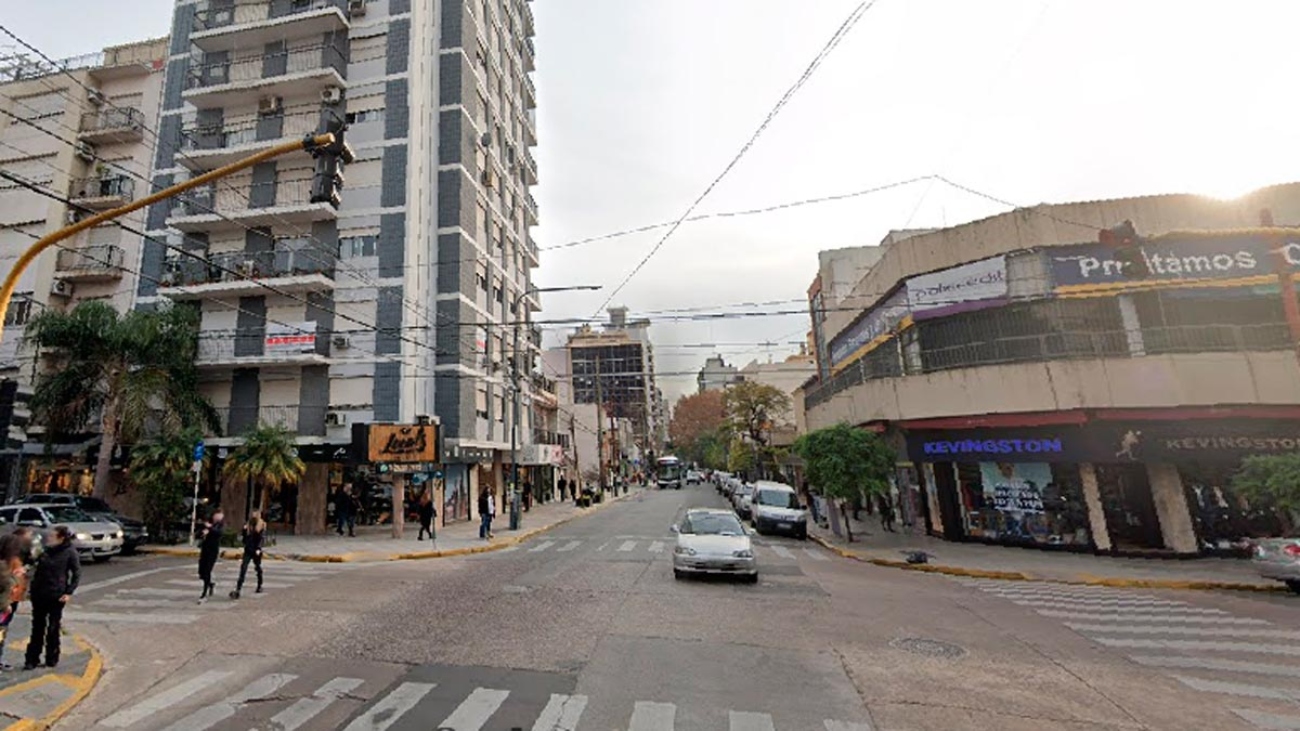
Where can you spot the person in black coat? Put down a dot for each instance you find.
(427, 513)
(58, 571)
(254, 537)
(209, 552)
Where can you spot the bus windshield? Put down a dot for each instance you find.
(669, 469)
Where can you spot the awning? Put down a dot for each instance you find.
(60, 449)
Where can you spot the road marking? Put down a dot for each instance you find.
(156, 604)
(279, 584)
(1242, 689)
(541, 546)
(561, 713)
(742, 721)
(647, 716)
(305, 709)
(152, 591)
(1150, 629)
(846, 726)
(94, 585)
(1269, 720)
(209, 716)
(601, 547)
(627, 546)
(1128, 616)
(569, 546)
(1198, 663)
(114, 618)
(1289, 650)
(1049, 598)
(1127, 608)
(475, 710)
(815, 555)
(1072, 595)
(656, 546)
(391, 707)
(131, 716)
(782, 551)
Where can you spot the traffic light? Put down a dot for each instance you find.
(1128, 249)
(15, 414)
(330, 159)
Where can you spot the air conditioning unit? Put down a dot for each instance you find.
(486, 139)
(342, 342)
(96, 98)
(356, 8)
(489, 178)
(61, 288)
(335, 418)
(331, 95)
(86, 151)
(270, 105)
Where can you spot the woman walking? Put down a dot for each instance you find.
(254, 537)
(427, 514)
(58, 571)
(14, 553)
(209, 552)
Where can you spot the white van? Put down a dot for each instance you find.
(775, 508)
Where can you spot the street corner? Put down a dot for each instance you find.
(36, 700)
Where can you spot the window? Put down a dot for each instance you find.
(499, 405)
(481, 402)
(497, 292)
(31, 516)
(369, 115)
(20, 310)
(480, 274)
(7, 516)
(351, 247)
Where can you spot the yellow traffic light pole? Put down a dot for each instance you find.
(45, 242)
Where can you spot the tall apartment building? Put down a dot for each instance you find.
(715, 375)
(393, 302)
(615, 367)
(79, 129)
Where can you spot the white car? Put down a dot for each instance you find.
(742, 499)
(775, 508)
(694, 477)
(712, 541)
(96, 539)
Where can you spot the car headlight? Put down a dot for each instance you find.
(83, 536)
(743, 553)
(117, 534)
(684, 551)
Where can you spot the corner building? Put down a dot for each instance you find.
(391, 304)
(1038, 395)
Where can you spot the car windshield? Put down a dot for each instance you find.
(712, 524)
(67, 514)
(95, 505)
(778, 499)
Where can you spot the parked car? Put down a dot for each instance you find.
(1279, 559)
(720, 480)
(96, 539)
(694, 477)
(741, 499)
(776, 509)
(134, 532)
(712, 541)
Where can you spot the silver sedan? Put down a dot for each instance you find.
(713, 542)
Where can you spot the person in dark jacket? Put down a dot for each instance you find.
(345, 509)
(209, 552)
(427, 514)
(254, 537)
(58, 571)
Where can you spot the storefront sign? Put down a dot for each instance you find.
(1170, 259)
(1201, 440)
(397, 443)
(873, 323)
(315, 453)
(1031, 444)
(1015, 488)
(959, 289)
(460, 454)
(294, 337)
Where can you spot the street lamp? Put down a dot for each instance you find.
(514, 379)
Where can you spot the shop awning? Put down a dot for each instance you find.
(60, 449)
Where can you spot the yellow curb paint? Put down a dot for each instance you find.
(81, 687)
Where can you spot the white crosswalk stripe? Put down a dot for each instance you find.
(561, 713)
(166, 699)
(1156, 629)
(475, 710)
(648, 716)
(1242, 689)
(846, 726)
(815, 555)
(305, 709)
(209, 716)
(782, 551)
(656, 546)
(569, 546)
(541, 546)
(627, 546)
(1271, 721)
(1120, 616)
(119, 618)
(391, 707)
(1209, 663)
(744, 721)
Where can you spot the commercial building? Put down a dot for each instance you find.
(80, 129)
(1040, 389)
(394, 301)
(715, 375)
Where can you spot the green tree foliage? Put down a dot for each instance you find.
(697, 419)
(753, 408)
(267, 459)
(161, 470)
(843, 462)
(740, 457)
(131, 373)
(1272, 479)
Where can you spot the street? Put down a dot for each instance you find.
(584, 627)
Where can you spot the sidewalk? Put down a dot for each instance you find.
(873, 544)
(35, 699)
(376, 542)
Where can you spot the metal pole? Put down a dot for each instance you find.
(514, 424)
(600, 428)
(194, 507)
(45, 242)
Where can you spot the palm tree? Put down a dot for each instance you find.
(131, 373)
(267, 458)
(161, 470)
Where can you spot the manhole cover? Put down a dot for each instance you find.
(929, 648)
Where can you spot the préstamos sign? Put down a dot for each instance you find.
(1170, 259)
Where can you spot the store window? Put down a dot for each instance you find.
(1225, 520)
(1023, 502)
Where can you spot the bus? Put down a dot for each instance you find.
(669, 472)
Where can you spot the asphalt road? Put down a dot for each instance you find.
(585, 628)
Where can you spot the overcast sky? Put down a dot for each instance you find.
(643, 102)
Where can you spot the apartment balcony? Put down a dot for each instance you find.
(530, 210)
(530, 93)
(253, 24)
(294, 266)
(529, 117)
(99, 263)
(528, 54)
(274, 345)
(216, 80)
(207, 147)
(526, 15)
(112, 126)
(302, 420)
(103, 192)
(530, 249)
(541, 436)
(530, 168)
(235, 207)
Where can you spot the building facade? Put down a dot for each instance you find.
(1042, 390)
(715, 375)
(395, 301)
(614, 368)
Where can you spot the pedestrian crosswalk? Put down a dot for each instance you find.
(651, 547)
(289, 701)
(1205, 649)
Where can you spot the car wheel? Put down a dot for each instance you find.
(1294, 586)
(678, 574)
(100, 559)
(751, 579)
(803, 535)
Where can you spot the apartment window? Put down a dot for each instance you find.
(352, 247)
(500, 236)
(480, 221)
(499, 405)
(369, 115)
(481, 276)
(497, 293)
(480, 114)
(20, 310)
(481, 401)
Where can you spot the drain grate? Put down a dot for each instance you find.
(928, 647)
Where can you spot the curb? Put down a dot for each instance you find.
(376, 557)
(1082, 580)
(81, 687)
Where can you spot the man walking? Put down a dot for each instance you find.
(210, 552)
(346, 511)
(486, 510)
(563, 484)
(58, 571)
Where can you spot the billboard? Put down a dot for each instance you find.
(1175, 258)
(962, 288)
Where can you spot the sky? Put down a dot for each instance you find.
(643, 103)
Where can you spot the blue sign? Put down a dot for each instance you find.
(1065, 443)
(1172, 258)
(873, 323)
(198, 451)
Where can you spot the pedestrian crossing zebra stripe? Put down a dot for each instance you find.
(391, 707)
(1246, 690)
(541, 546)
(1272, 721)
(137, 713)
(1124, 608)
(305, 709)
(561, 713)
(569, 546)
(115, 618)
(1210, 663)
(209, 716)
(1187, 645)
(1159, 629)
(650, 716)
(475, 710)
(1112, 615)
(745, 721)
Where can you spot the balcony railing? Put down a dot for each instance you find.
(249, 130)
(103, 261)
(115, 124)
(297, 258)
(243, 13)
(204, 74)
(115, 189)
(303, 420)
(231, 200)
(541, 436)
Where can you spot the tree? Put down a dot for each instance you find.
(267, 459)
(696, 419)
(161, 470)
(1272, 479)
(129, 372)
(843, 462)
(752, 408)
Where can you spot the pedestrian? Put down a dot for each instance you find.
(346, 510)
(427, 514)
(253, 537)
(486, 510)
(563, 484)
(528, 495)
(14, 549)
(209, 552)
(886, 512)
(57, 574)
